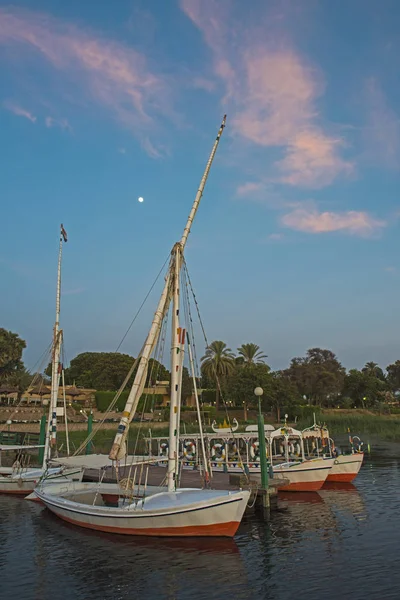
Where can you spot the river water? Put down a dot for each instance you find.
(339, 543)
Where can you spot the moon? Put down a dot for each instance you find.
(140, 199)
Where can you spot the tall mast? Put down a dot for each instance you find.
(175, 373)
(171, 285)
(51, 431)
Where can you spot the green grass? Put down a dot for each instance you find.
(382, 426)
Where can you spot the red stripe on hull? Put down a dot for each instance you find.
(303, 486)
(342, 477)
(215, 530)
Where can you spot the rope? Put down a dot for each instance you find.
(109, 409)
(216, 376)
(143, 303)
(43, 358)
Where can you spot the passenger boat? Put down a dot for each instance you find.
(346, 466)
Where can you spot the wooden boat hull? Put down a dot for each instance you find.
(186, 513)
(346, 467)
(307, 476)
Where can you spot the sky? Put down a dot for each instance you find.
(296, 243)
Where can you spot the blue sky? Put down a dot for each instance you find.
(296, 243)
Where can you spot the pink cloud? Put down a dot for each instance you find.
(313, 160)
(62, 123)
(19, 112)
(112, 75)
(382, 130)
(313, 221)
(272, 92)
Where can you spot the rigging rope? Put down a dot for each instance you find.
(216, 376)
(143, 303)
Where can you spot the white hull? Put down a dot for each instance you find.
(346, 467)
(23, 483)
(184, 513)
(307, 476)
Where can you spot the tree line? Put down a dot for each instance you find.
(316, 379)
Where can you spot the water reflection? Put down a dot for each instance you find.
(152, 567)
(341, 541)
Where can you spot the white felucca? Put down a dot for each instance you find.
(21, 479)
(173, 512)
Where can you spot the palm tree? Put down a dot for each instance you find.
(251, 354)
(372, 368)
(217, 363)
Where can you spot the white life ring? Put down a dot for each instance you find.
(164, 449)
(189, 450)
(218, 452)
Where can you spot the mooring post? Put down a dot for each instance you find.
(42, 438)
(89, 431)
(263, 452)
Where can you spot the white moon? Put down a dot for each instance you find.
(140, 199)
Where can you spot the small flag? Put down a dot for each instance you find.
(64, 233)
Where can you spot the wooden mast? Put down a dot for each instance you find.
(170, 291)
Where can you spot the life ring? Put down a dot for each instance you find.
(232, 450)
(218, 452)
(164, 449)
(255, 451)
(189, 450)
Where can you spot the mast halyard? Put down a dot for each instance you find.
(171, 284)
(51, 431)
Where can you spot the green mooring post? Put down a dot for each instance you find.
(42, 438)
(89, 431)
(263, 452)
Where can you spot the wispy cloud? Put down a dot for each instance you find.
(122, 150)
(382, 130)
(275, 237)
(19, 112)
(249, 188)
(390, 269)
(73, 291)
(62, 123)
(110, 74)
(313, 221)
(272, 92)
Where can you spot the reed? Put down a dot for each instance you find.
(385, 427)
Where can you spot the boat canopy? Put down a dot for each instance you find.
(285, 432)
